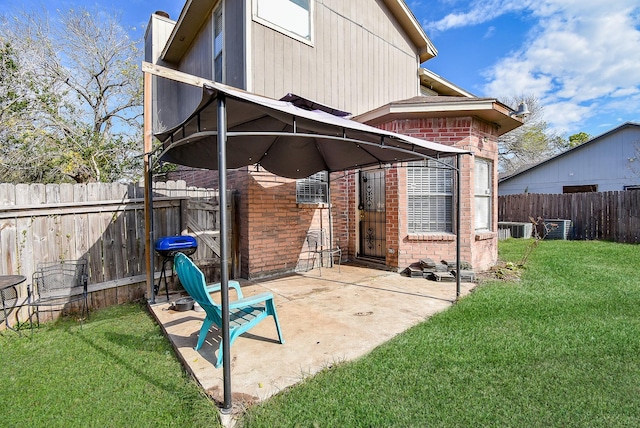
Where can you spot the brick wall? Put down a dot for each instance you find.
(480, 250)
(272, 226)
(195, 177)
(275, 226)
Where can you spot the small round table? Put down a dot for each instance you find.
(9, 294)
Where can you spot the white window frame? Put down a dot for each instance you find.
(262, 13)
(483, 194)
(313, 189)
(430, 196)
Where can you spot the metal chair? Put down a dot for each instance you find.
(319, 246)
(58, 284)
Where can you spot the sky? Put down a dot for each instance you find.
(579, 58)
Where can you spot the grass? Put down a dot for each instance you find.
(118, 370)
(558, 348)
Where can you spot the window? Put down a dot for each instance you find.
(430, 196)
(313, 189)
(580, 189)
(218, 42)
(483, 193)
(293, 17)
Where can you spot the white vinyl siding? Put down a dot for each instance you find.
(313, 189)
(429, 197)
(483, 194)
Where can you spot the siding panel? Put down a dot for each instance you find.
(234, 42)
(359, 59)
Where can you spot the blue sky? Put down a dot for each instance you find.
(580, 58)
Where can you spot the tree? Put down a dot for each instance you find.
(83, 83)
(530, 143)
(579, 138)
(573, 141)
(633, 163)
(20, 99)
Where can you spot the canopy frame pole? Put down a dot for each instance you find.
(148, 182)
(458, 222)
(224, 251)
(151, 261)
(330, 219)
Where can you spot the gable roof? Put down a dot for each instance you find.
(594, 140)
(442, 86)
(414, 30)
(196, 12)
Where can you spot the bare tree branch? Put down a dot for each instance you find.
(72, 104)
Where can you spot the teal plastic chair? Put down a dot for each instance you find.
(244, 314)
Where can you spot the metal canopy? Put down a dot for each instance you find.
(231, 128)
(286, 140)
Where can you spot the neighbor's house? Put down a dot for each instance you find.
(609, 162)
(358, 56)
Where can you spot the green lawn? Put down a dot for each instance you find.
(559, 348)
(118, 370)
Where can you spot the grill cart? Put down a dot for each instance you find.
(168, 247)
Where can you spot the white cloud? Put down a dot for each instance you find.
(480, 12)
(580, 58)
(490, 32)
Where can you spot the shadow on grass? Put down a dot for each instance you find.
(132, 342)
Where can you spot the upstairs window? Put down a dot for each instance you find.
(291, 17)
(218, 42)
(313, 189)
(430, 196)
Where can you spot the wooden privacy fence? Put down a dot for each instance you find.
(611, 216)
(104, 223)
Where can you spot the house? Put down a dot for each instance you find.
(362, 57)
(608, 162)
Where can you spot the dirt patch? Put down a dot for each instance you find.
(240, 401)
(502, 271)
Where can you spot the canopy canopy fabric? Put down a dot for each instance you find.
(285, 139)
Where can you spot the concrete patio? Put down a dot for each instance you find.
(326, 319)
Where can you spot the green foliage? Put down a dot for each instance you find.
(579, 138)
